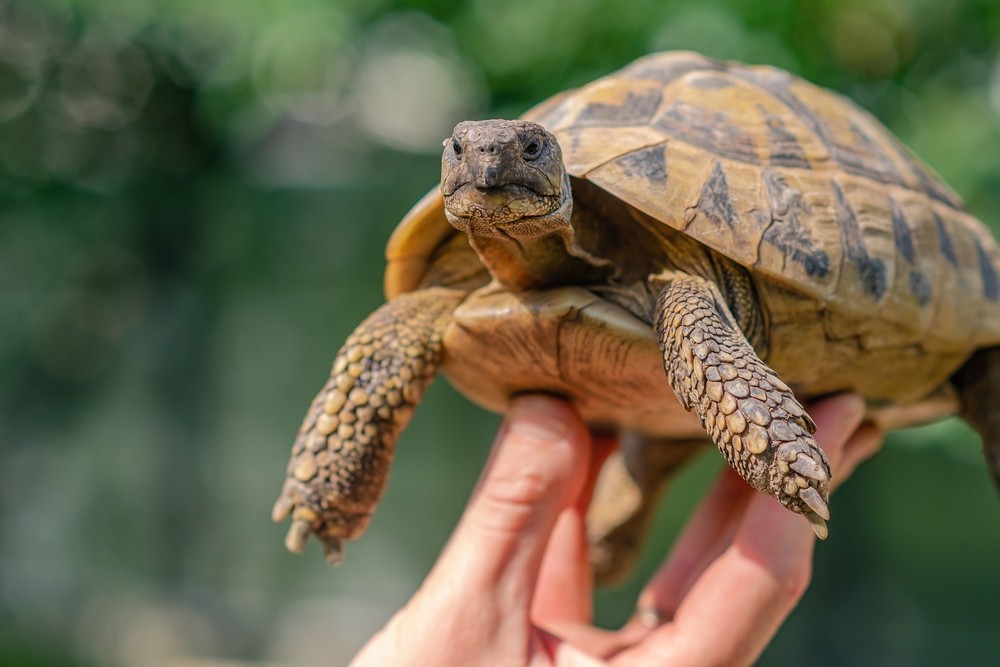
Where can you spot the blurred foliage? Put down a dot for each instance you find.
(194, 197)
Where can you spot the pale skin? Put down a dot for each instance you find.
(514, 587)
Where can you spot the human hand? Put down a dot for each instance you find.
(513, 585)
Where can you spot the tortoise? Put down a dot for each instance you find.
(685, 249)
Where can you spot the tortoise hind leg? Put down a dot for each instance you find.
(978, 383)
(752, 416)
(627, 492)
(340, 459)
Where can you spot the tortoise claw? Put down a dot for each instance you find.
(333, 549)
(808, 467)
(298, 534)
(818, 525)
(811, 497)
(282, 508)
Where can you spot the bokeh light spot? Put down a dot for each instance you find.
(412, 88)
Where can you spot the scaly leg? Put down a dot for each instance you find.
(340, 460)
(750, 413)
(627, 492)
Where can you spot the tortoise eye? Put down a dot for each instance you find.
(533, 149)
(455, 146)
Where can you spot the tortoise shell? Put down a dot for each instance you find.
(861, 271)
(797, 184)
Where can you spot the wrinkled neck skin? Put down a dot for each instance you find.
(534, 252)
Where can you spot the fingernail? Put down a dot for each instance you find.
(651, 617)
(538, 418)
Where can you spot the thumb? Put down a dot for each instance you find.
(536, 469)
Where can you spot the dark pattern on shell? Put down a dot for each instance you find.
(707, 129)
(901, 232)
(991, 285)
(944, 241)
(935, 191)
(776, 83)
(931, 185)
(871, 270)
(920, 286)
(788, 231)
(864, 158)
(785, 148)
(635, 109)
(649, 163)
(715, 200)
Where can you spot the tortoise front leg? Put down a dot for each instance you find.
(340, 459)
(750, 413)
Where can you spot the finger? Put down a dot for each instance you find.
(704, 537)
(563, 605)
(535, 471)
(836, 419)
(584, 645)
(565, 653)
(565, 582)
(865, 442)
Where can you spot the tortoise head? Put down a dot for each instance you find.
(505, 178)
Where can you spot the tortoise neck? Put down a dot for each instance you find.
(538, 262)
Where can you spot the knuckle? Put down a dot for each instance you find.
(510, 500)
(515, 492)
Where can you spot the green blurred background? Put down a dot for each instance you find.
(194, 200)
